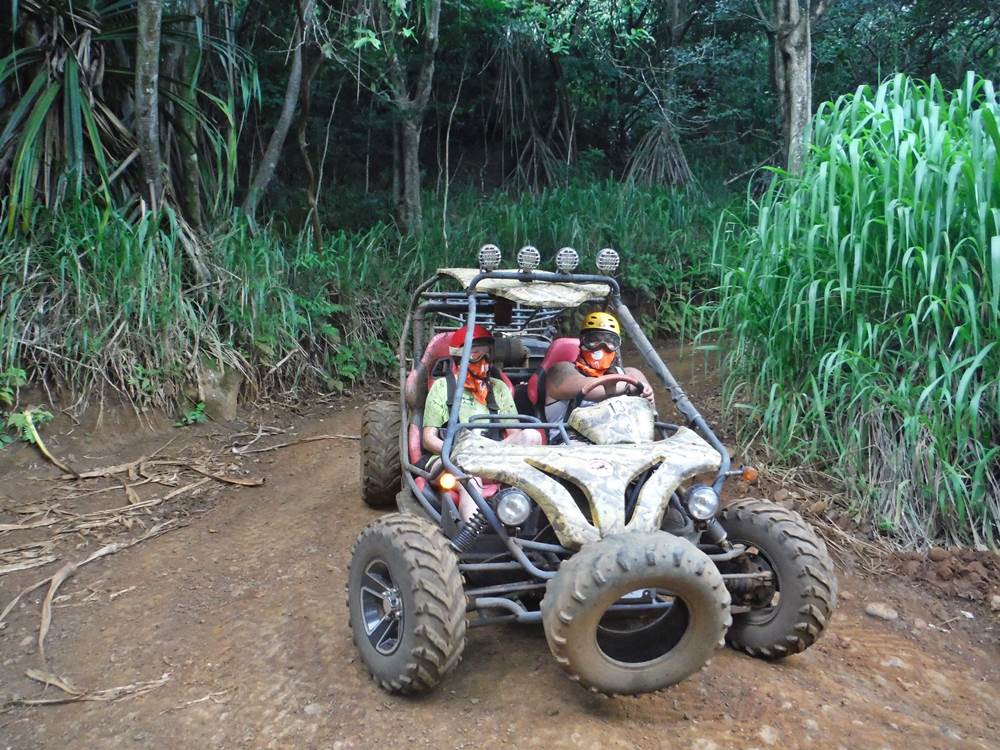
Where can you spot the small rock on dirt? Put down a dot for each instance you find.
(995, 603)
(819, 507)
(950, 733)
(937, 554)
(768, 734)
(313, 709)
(911, 567)
(881, 611)
(895, 662)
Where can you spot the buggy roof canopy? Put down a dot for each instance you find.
(532, 293)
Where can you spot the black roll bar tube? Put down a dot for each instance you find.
(404, 422)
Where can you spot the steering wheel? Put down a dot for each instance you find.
(635, 386)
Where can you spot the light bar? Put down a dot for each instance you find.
(528, 258)
(567, 260)
(607, 261)
(489, 257)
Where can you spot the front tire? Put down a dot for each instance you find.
(806, 585)
(657, 651)
(381, 471)
(406, 603)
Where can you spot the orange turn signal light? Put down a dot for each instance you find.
(447, 481)
(750, 474)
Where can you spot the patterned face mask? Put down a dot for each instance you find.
(594, 363)
(478, 379)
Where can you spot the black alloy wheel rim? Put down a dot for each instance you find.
(381, 608)
(764, 599)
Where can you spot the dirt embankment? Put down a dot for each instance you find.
(238, 615)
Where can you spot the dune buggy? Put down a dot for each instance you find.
(611, 533)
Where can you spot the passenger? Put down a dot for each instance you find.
(480, 394)
(600, 345)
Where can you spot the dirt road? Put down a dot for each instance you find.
(244, 609)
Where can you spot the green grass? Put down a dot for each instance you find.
(861, 309)
(94, 303)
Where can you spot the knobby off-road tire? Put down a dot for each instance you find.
(806, 580)
(423, 569)
(600, 574)
(381, 474)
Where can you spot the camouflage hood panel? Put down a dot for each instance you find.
(602, 472)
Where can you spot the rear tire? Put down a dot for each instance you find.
(641, 660)
(406, 603)
(381, 473)
(807, 584)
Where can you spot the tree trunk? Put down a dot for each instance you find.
(188, 142)
(793, 63)
(147, 119)
(410, 108)
(311, 185)
(791, 60)
(265, 170)
(409, 212)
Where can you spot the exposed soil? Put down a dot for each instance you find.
(243, 607)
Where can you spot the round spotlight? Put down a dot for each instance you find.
(513, 507)
(528, 258)
(567, 260)
(489, 257)
(702, 503)
(607, 261)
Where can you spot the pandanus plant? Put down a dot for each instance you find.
(67, 120)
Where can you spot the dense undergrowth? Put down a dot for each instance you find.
(861, 308)
(94, 302)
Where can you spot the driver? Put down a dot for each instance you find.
(480, 394)
(600, 344)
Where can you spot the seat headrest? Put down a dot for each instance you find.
(561, 350)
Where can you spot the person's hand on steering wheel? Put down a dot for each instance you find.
(633, 387)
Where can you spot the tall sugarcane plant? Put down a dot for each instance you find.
(863, 307)
(68, 120)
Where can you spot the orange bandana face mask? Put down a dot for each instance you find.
(596, 363)
(477, 381)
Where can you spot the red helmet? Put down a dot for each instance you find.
(480, 334)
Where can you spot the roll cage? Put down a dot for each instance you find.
(476, 302)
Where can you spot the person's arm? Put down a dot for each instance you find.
(431, 440)
(505, 404)
(564, 382)
(435, 416)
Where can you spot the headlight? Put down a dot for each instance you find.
(607, 261)
(567, 260)
(513, 507)
(528, 258)
(702, 503)
(489, 257)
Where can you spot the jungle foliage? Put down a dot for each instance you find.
(860, 309)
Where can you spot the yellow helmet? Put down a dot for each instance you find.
(601, 321)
